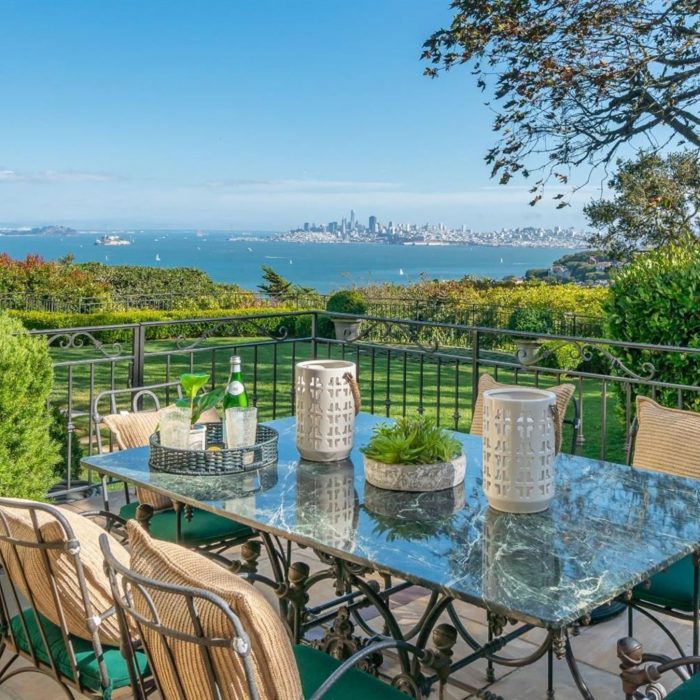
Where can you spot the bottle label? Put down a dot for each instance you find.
(235, 388)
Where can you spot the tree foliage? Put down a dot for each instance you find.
(280, 289)
(28, 453)
(655, 300)
(36, 277)
(573, 80)
(274, 285)
(656, 201)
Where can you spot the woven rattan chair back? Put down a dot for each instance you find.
(486, 381)
(130, 589)
(135, 400)
(665, 439)
(17, 595)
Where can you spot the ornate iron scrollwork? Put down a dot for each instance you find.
(340, 643)
(396, 329)
(278, 334)
(66, 341)
(530, 356)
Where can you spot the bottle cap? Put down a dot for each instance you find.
(235, 360)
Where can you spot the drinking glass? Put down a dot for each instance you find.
(175, 428)
(241, 426)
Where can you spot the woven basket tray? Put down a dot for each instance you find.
(203, 462)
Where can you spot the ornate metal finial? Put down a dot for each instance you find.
(630, 652)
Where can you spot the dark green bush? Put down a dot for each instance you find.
(347, 301)
(124, 280)
(532, 319)
(656, 300)
(28, 454)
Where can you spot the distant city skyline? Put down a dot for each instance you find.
(351, 230)
(157, 114)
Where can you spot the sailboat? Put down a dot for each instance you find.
(250, 250)
(157, 257)
(401, 271)
(501, 261)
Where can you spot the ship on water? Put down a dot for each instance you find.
(112, 240)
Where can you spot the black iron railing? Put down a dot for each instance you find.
(403, 366)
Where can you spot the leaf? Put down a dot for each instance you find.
(192, 383)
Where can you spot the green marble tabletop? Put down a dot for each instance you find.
(609, 528)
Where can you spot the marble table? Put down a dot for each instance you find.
(610, 527)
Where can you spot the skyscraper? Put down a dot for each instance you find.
(352, 219)
(373, 224)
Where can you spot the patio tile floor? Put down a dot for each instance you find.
(594, 648)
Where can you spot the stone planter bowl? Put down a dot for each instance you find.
(416, 477)
(413, 506)
(347, 330)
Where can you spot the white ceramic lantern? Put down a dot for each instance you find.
(519, 449)
(327, 401)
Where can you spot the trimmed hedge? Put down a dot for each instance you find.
(28, 453)
(42, 320)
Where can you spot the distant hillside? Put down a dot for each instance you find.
(585, 267)
(41, 231)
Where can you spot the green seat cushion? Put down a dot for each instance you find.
(86, 661)
(671, 588)
(690, 690)
(202, 528)
(315, 666)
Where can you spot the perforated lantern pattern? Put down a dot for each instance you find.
(325, 410)
(327, 503)
(519, 449)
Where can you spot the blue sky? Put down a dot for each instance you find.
(239, 113)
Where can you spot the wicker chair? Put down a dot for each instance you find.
(563, 392)
(162, 517)
(223, 641)
(668, 440)
(56, 605)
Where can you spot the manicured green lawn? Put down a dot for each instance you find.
(392, 382)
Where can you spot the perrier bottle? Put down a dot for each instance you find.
(236, 395)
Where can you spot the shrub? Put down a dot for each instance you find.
(655, 300)
(531, 319)
(60, 283)
(347, 301)
(28, 454)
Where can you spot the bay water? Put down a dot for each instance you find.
(324, 266)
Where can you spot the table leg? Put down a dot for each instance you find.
(573, 668)
(550, 673)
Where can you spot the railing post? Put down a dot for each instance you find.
(139, 351)
(314, 334)
(475, 368)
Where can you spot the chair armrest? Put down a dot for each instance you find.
(326, 686)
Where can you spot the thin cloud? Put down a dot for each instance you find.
(301, 185)
(48, 177)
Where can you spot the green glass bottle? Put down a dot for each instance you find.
(236, 395)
